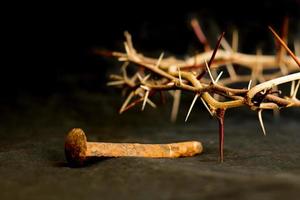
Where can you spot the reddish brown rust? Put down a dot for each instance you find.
(78, 150)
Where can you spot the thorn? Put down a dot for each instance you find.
(128, 38)
(142, 80)
(127, 49)
(145, 87)
(132, 104)
(179, 74)
(171, 84)
(123, 68)
(175, 107)
(139, 77)
(231, 71)
(285, 46)
(114, 83)
(151, 103)
(216, 49)
(257, 72)
(159, 59)
(115, 77)
(138, 101)
(123, 59)
(206, 106)
(225, 45)
(249, 84)
(265, 91)
(199, 33)
(134, 77)
(148, 100)
(235, 40)
(124, 65)
(283, 68)
(129, 42)
(209, 72)
(292, 88)
(171, 92)
(127, 100)
(212, 56)
(191, 107)
(145, 99)
(253, 78)
(146, 77)
(296, 90)
(261, 121)
(218, 77)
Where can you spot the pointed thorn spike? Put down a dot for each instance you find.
(123, 69)
(127, 49)
(235, 40)
(209, 72)
(139, 77)
(295, 58)
(191, 107)
(226, 45)
(199, 33)
(146, 77)
(231, 71)
(206, 106)
(296, 90)
(145, 99)
(176, 103)
(127, 100)
(261, 121)
(292, 88)
(151, 103)
(179, 74)
(249, 84)
(218, 77)
(159, 59)
(115, 83)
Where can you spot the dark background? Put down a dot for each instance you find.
(49, 46)
(51, 81)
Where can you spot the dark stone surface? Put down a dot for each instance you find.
(33, 165)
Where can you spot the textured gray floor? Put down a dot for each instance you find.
(32, 163)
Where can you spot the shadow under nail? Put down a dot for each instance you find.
(87, 163)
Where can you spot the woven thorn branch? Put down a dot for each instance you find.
(199, 75)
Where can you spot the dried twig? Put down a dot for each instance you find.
(176, 75)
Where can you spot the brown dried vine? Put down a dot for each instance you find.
(216, 94)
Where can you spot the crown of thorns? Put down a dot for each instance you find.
(267, 72)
